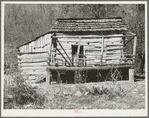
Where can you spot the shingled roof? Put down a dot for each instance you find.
(89, 24)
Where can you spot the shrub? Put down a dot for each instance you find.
(22, 93)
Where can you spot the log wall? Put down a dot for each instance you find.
(112, 48)
(34, 63)
(34, 57)
(97, 50)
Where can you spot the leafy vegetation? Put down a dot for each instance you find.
(103, 95)
(17, 93)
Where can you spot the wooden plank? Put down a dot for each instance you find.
(78, 51)
(131, 76)
(48, 77)
(134, 47)
(102, 49)
(50, 49)
(88, 68)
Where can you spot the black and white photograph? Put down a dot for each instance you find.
(74, 58)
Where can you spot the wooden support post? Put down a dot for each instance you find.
(78, 51)
(102, 49)
(48, 76)
(131, 76)
(77, 73)
(97, 75)
(50, 53)
(84, 58)
(134, 47)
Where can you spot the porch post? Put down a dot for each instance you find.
(134, 47)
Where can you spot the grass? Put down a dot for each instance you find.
(103, 95)
(99, 95)
(18, 94)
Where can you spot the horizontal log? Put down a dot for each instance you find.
(33, 64)
(113, 52)
(92, 50)
(111, 62)
(33, 60)
(114, 48)
(33, 73)
(93, 57)
(113, 45)
(86, 29)
(92, 36)
(89, 39)
(89, 68)
(60, 56)
(68, 41)
(65, 48)
(68, 52)
(88, 26)
(107, 58)
(89, 23)
(107, 44)
(112, 58)
(89, 46)
(90, 62)
(119, 54)
(89, 20)
(22, 53)
(92, 54)
(33, 68)
(33, 55)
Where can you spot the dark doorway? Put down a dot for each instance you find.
(74, 54)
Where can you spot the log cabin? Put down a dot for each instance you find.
(77, 50)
